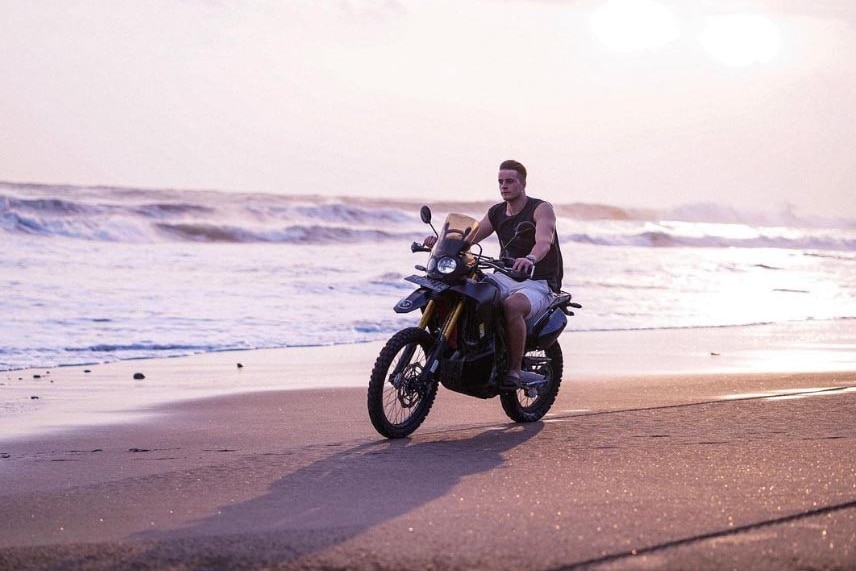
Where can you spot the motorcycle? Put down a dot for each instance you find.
(460, 339)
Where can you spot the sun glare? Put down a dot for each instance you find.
(735, 40)
(634, 25)
(741, 40)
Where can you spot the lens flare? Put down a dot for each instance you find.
(741, 40)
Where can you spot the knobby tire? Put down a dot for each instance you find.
(520, 408)
(398, 399)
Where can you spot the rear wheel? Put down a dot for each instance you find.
(400, 396)
(531, 403)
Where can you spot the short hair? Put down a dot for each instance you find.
(512, 165)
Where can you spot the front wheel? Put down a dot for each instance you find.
(531, 403)
(400, 395)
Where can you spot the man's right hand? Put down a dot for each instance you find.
(429, 241)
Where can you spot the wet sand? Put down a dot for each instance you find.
(727, 466)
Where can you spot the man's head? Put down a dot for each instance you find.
(512, 180)
(512, 165)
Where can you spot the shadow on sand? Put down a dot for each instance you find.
(331, 500)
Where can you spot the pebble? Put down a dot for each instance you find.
(139, 376)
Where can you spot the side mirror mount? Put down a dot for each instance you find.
(524, 228)
(425, 215)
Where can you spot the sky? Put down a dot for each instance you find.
(637, 103)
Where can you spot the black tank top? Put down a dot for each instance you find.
(550, 268)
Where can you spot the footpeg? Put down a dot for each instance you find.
(530, 379)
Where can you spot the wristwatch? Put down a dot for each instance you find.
(530, 257)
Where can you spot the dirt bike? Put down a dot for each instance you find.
(460, 340)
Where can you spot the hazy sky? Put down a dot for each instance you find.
(627, 102)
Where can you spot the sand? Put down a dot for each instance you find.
(712, 448)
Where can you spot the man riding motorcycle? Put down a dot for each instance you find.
(537, 254)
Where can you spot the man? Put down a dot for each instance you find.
(521, 301)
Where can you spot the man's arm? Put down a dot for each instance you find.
(545, 229)
(485, 230)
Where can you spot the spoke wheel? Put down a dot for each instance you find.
(530, 404)
(400, 396)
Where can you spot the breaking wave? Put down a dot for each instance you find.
(140, 215)
(298, 234)
(667, 240)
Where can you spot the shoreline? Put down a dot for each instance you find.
(69, 397)
(89, 364)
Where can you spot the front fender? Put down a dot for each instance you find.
(416, 300)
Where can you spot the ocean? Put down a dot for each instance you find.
(95, 274)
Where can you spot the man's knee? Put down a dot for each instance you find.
(516, 305)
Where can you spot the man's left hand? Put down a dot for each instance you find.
(524, 265)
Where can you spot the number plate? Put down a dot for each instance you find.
(424, 281)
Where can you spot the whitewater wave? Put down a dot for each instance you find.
(661, 239)
(108, 348)
(291, 235)
(140, 215)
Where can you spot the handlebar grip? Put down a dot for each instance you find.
(417, 247)
(517, 276)
(505, 264)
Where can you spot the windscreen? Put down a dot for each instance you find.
(457, 230)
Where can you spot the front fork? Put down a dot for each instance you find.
(433, 361)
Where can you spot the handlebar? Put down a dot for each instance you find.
(503, 265)
(499, 264)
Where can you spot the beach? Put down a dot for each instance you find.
(213, 218)
(702, 448)
(183, 386)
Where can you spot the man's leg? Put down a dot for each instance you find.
(516, 308)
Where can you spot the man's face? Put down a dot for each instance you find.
(510, 186)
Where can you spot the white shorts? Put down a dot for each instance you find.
(536, 291)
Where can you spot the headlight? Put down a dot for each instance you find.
(446, 265)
